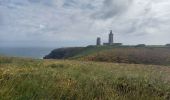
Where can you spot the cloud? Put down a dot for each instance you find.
(79, 22)
(111, 8)
(1, 20)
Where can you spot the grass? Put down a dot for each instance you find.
(117, 54)
(28, 79)
(157, 56)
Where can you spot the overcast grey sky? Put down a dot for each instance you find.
(59, 23)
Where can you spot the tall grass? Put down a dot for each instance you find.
(157, 56)
(27, 79)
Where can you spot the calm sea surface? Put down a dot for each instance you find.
(25, 52)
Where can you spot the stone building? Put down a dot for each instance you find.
(98, 42)
(110, 40)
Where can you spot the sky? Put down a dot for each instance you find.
(58, 23)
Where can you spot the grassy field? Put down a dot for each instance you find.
(156, 56)
(28, 79)
(122, 54)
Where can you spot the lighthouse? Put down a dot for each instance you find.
(110, 38)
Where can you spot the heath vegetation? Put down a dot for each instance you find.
(28, 79)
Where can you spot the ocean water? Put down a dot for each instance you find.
(26, 52)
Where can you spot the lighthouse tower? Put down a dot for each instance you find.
(111, 38)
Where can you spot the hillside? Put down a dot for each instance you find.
(75, 52)
(72, 52)
(29, 79)
(63, 53)
(124, 54)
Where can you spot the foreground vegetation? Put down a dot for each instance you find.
(28, 79)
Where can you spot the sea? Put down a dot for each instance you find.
(26, 52)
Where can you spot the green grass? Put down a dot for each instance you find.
(141, 55)
(93, 49)
(28, 79)
(117, 54)
(76, 52)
